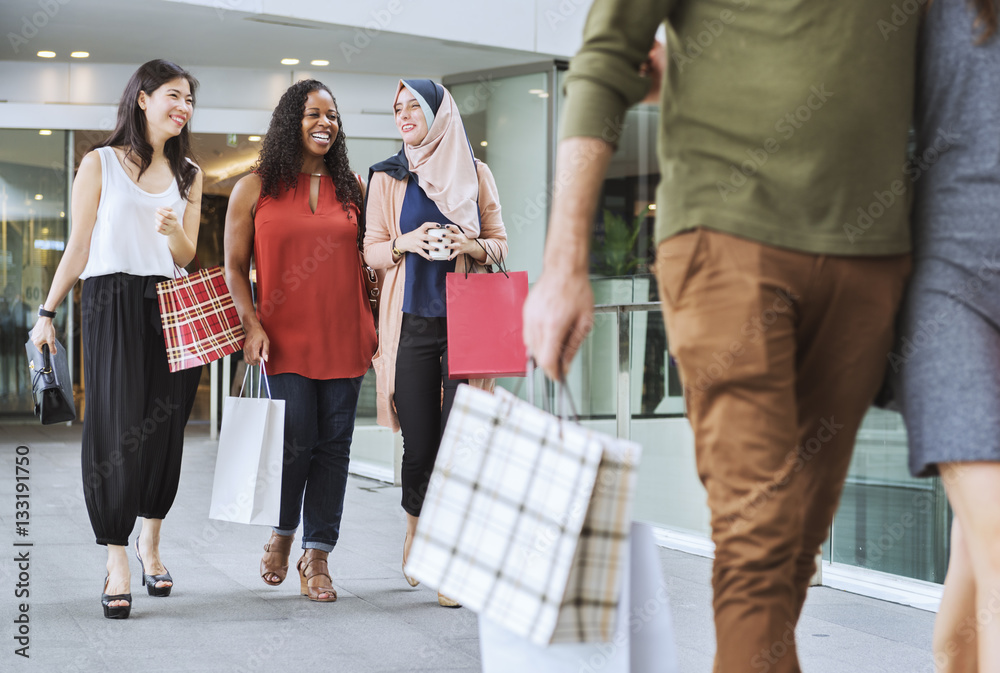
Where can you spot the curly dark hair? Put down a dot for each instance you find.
(280, 159)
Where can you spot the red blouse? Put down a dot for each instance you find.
(310, 296)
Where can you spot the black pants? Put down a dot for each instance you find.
(421, 373)
(136, 410)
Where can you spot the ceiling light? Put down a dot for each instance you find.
(652, 206)
(62, 213)
(484, 143)
(536, 91)
(38, 197)
(80, 54)
(319, 61)
(289, 61)
(46, 54)
(253, 139)
(45, 132)
(544, 94)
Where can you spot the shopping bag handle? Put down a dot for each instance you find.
(489, 258)
(262, 372)
(562, 394)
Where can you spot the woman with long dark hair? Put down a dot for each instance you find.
(434, 182)
(312, 331)
(136, 210)
(950, 369)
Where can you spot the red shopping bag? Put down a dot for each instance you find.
(200, 322)
(485, 338)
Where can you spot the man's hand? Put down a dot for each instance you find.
(558, 316)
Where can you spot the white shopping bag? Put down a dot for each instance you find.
(643, 641)
(247, 485)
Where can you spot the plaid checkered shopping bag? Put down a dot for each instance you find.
(526, 519)
(200, 322)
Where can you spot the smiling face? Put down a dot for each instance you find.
(410, 121)
(168, 108)
(320, 123)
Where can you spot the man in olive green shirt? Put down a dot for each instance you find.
(782, 224)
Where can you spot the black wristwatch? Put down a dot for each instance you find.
(42, 313)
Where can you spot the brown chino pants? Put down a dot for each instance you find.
(781, 353)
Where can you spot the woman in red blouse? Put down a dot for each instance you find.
(312, 329)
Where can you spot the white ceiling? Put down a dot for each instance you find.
(133, 31)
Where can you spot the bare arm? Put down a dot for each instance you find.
(86, 197)
(182, 237)
(239, 248)
(559, 312)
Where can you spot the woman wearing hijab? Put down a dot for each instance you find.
(433, 182)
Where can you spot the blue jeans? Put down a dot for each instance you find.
(319, 426)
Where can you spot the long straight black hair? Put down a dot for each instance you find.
(130, 129)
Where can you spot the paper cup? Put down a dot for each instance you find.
(438, 249)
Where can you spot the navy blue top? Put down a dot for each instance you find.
(424, 288)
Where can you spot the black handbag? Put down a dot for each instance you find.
(51, 387)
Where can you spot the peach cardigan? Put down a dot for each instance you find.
(385, 202)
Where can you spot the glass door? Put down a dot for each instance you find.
(33, 233)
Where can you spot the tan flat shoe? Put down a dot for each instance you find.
(446, 602)
(312, 571)
(412, 582)
(279, 546)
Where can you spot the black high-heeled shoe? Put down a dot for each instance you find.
(151, 580)
(115, 611)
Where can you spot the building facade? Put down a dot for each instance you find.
(504, 64)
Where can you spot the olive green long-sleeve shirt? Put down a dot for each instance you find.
(782, 121)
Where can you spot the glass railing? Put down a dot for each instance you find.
(624, 383)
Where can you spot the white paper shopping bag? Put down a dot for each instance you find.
(247, 485)
(643, 641)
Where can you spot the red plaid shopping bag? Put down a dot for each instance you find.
(200, 322)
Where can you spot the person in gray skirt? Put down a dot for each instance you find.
(948, 359)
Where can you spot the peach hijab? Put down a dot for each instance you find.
(443, 162)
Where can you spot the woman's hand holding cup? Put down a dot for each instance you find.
(421, 242)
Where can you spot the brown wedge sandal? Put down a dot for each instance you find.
(313, 568)
(277, 545)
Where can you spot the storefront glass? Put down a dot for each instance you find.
(33, 233)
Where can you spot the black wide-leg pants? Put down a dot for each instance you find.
(136, 410)
(424, 396)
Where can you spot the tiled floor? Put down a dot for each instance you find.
(221, 617)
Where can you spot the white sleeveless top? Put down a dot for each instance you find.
(125, 239)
